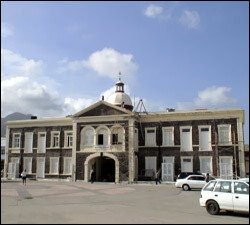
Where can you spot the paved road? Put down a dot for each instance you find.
(104, 203)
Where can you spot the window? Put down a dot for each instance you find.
(55, 138)
(68, 142)
(16, 141)
(241, 188)
(27, 164)
(150, 166)
(223, 186)
(54, 165)
(205, 138)
(103, 136)
(87, 136)
(150, 137)
(67, 168)
(187, 164)
(224, 132)
(41, 146)
(206, 164)
(117, 135)
(28, 143)
(210, 186)
(226, 167)
(186, 138)
(168, 136)
(100, 139)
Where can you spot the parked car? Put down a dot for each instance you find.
(191, 182)
(245, 179)
(230, 195)
(183, 175)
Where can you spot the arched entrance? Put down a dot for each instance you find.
(106, 167)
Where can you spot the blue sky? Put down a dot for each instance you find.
(60, 57)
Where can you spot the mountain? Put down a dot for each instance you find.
(13, 116)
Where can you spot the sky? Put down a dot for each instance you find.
(60, 57)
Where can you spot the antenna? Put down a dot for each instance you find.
(119, 75)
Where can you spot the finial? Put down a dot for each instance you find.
(119, 76)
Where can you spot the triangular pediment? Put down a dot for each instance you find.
(102, 108)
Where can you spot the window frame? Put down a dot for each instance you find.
(52, 141)
(64, 159)
(25, 142)
(181, 138)
(229, 134)
(13, 140)
(50, 165)
(146, 139)
(164, 138)
(38, 138)
(68, 134)
(209, 137)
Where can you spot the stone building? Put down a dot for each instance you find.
(120, 144)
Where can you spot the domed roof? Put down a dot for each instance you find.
(119, 98)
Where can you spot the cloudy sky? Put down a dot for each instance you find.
(60, 57)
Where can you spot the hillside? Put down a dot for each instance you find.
(13, 116)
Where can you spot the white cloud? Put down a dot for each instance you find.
(106, 62)
(153, 11)
(72, 106)
(17, 65)
(209, 98)
(214, 96)
(6, 30)
(158, 12)
(190, 19)
(21, 94)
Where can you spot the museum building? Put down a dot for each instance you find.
(122, 144)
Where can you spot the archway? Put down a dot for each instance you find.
(105, 165)
(104, 168)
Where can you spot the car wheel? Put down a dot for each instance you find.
(212, 207)
(185, 187)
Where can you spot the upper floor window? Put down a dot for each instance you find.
(205, 138)
(16, 140)
(41, 145)
(102, 136)
(150, 137)
(117, 135)
(224, 133)
(87, 136)
(28, 144)
(186, 138)
(55, 139)
(168, 136)
(68, 141)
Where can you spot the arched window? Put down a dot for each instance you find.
(117, 135)
(87, 136)
(102, 136)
